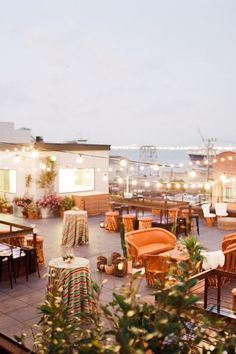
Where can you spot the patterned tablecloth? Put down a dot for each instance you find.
(75, 228)
(75, 279)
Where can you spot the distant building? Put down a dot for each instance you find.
(8, 134)
(224, 176)
(81, 168)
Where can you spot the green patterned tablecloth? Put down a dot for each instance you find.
(75, 280)
(75, 228)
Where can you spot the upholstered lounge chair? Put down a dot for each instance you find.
(209, 217)
(221, 209)
(149, 241)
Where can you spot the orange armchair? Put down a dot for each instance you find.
(152, 241)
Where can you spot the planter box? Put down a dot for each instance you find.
(47, 213)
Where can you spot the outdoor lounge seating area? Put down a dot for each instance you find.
(154, 247)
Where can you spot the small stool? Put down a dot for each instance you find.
(145, 222)
(112, 221)
(234, 299)
(182, 225)
(40, 253)
(129, 222)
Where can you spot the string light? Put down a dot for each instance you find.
(123, 163)
(120, 180)
(34, 154)
(42, 166)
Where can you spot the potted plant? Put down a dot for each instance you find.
(194, 249)
(47, 176)
(4, 205)
(33, 211)
(67, 203)
(20, 205)
(49, 205)
(109, 267)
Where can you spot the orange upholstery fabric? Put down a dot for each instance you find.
(229, 249)
(228, 240)
(153, 240)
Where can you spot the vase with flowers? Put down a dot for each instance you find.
(20, 205)
(49, 205)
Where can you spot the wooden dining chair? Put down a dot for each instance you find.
(6, 257)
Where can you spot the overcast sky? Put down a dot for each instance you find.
(120, 72)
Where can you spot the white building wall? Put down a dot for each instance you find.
(27, 165)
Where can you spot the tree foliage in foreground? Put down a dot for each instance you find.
(128, 325)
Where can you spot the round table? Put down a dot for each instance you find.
(74, 279)
(75, 228)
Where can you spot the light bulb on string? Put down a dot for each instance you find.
(120, 180)
(35, 153)
(192, 174)
(168, 185)
(134, 182)
(43, 166)
(158, 185)
(146, 184)
(123, 163)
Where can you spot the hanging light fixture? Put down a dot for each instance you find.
(105, 178)
(79, 159)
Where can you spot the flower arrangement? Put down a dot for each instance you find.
(22, 201)
(68, 258)
(51, 201)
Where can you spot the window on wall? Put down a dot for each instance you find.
(8, 181)
(76, 180)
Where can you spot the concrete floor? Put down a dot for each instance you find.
(18, 310)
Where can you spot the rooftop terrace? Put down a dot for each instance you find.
(18, 305)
